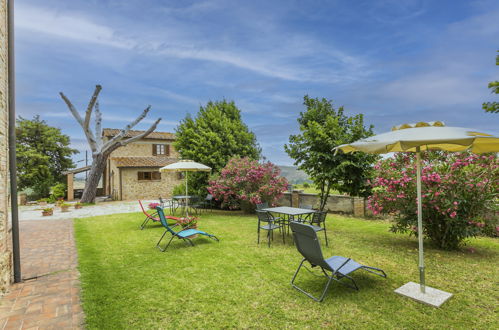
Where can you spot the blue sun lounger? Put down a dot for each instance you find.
(183, 234)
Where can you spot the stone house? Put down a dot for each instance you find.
(132, 171)
(5, 237)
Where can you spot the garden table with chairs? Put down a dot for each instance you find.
(290, 212)
(315, 218)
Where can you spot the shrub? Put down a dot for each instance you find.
(459, 190)
(306, 185)
(179, 190)
(57, 192)
(243, 179)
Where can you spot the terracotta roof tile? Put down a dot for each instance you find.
(143, 161)
(110, 132)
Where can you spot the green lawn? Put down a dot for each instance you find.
(128, 283)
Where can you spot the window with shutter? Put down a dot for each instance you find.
(148, 176)
(160, 149)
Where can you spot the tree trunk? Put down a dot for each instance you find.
(98, 165)
(96, 171)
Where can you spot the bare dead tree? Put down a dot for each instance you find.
(100, 149)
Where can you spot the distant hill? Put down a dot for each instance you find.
(294, 175)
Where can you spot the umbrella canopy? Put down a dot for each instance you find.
(427, 136)
(415, 138)
(186, 166)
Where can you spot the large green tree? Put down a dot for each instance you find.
(43, 153)
(494, 87)
(214, 136)
(323, 128)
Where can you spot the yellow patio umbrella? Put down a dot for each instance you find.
(416, 138)
(186, 166)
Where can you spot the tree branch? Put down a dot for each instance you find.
(98, 126)
(124, 131)
(72, 109)
(88, 133)
(90, 106)
(140, 136)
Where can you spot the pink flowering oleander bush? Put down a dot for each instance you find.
(244, 180)
(459, 193)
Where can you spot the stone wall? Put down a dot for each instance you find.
(133, 188)
(143, 148)
(335, 203)
(5, 251)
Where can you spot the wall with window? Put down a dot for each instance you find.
(5, 251)
(147, 183)
(147, 148)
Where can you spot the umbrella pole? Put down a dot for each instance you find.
(433, 297)
(186, 199)
(420, 221)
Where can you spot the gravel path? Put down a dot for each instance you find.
(102, 208)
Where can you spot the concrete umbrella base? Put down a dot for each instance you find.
(432, 297)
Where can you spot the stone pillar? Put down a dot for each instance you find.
(295, 198)
(5, 237)
(70, 185)
(359, 209)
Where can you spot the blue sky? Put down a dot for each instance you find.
(395, 61)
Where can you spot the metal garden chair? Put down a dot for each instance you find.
(318, 222)
(308, 245)
(183, 234)
(268, 222)
(208, 202)
(261, 206)
(308, 207)
(166, 203)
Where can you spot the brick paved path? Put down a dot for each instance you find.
(49, 296)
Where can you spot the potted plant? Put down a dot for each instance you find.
(42, 202)
(78, 205)
(65, 207)
(153, 206)
(47, 211)
(188, 223)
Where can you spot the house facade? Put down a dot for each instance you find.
(5, 249)
(132, 171)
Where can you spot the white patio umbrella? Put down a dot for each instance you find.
(186, 166)
(415, 138)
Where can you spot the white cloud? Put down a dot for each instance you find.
(278, 59)
(59, 24)
(435, 89)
